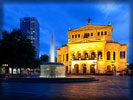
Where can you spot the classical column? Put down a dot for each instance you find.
(96, 61)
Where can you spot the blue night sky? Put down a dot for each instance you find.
(58, 17)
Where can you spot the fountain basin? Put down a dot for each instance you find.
(49, 80)
(52, 70)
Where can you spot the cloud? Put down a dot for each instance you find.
(109, 8)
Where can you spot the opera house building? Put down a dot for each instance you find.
(91, 49)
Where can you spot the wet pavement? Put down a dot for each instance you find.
(107, 88)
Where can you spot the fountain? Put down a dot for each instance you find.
(52, 69)
(50, 72)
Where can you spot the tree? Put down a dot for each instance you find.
(44, 58)
(130, 66)
(17, 51)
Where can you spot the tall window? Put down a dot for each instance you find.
(66, 57)
(88, 34)
(85, 35)
(79, 55)
(101, 33)
(98, 33)
(75, 35)
(105, 32)
(100, 55)
(108, 55)
(113, 55)
(78, 35)
(73, 56)
(86, 55)
(91, 34)
(93, 55)
(72, 36)
(122, 54)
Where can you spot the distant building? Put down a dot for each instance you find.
(29, 26)
(91, 50)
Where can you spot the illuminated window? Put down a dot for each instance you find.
(91, 34)
(78, 35)
(93, 56)
(88, 34)
(108, 55)
(122, 54)
(66, 57)
(105, 32)
(113, 55)
(85, 35)
(72, 36)
(101, 33)
(75, 35)
(98, 33)
(100, 55)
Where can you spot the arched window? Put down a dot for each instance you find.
(113, 55)
(99, 55)
(73, 55)
(79, 55)
(86, 55)
(84, 68)
(93, 55)
(66, 57)
(108, 55)
(76, 68)
(75, 35)
(86, 35)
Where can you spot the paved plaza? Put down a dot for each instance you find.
(107, 88)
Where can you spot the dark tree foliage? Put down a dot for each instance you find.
(44, 58)
(130, 66)
(17, 51)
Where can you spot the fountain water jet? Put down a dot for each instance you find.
(52, 69)
(52, 53)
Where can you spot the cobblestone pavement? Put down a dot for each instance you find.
(107, 88)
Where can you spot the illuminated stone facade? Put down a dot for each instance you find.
(91, 49)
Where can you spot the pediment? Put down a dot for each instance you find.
(90, 27)
(85, 41)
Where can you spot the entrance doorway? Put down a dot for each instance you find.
(76, 68)
(92, 69)
(84, 68)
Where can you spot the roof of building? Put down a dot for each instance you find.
(90, 27)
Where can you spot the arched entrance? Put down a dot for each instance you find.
(92, 69)
(108, 68)
(84, 68)
(76, 68)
